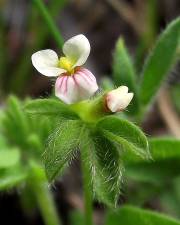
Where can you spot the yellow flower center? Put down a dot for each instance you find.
(66, 64)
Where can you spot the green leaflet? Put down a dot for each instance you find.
(13, 120)
(105, 164)
(129, 215)
(161, 149)
(12, 177)
(159, 172)
(9, 157)
(129, 136)
(159, 62)
(35, 143)
(49, 107)
(100, 155)
(32, 131)
(14, 111)
(164, 148)
(164, 166)
(61, 147)
(124, 73)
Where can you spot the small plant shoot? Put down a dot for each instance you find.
(85, 141)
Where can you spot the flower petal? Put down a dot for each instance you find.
(118, 99)
(124, 101)
(77, 87)
(46, 61)
(77, 49)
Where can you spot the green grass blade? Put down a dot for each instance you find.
(159, 62)
(50, 22)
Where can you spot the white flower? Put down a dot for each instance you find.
(118, 99)
(74, 83)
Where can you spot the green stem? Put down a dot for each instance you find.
(87, 188)
(39, 186)
(50, 22)
(46, 204)
(90, 111)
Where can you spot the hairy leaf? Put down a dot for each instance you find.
(129, 136)
(61, 147)
(159, 61)
(103, 160)
(49, 107)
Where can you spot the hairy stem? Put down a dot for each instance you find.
(39, 186)
(87, 189)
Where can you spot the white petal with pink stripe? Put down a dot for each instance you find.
(77, 87)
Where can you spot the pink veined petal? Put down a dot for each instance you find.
(87, 73)
(59, 83)
(75, 88)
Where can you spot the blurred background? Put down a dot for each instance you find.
(23, 32)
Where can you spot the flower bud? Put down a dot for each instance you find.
(77, 87)
(118, 99)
